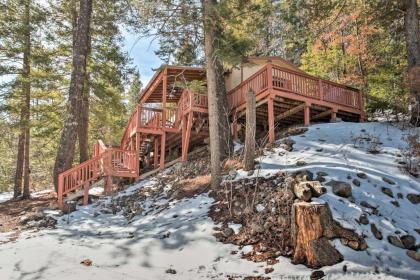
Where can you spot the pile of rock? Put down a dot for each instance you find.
(271, 211)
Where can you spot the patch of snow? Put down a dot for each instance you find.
(5, 196)
(260, 207)
(236, 227)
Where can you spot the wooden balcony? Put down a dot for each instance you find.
(297, 86)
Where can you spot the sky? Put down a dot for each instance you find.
(142, 53)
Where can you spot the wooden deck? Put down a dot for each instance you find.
(170, 120)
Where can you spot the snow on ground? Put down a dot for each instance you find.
(5, 196)
(142, 248)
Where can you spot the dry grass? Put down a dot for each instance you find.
(193, 186)
(233, 163)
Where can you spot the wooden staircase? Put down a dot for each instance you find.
(105, 163)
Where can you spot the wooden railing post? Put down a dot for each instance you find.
(270, 76)
(60, 191)
(321, 89)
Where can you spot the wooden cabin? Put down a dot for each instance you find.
(172, 116)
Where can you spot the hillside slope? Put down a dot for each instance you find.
(146, 232)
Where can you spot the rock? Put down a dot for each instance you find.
(341, 189)
(363, 219)
(320, 179)
(388, 181)
(376, 232)
(356, 182)
(69, 207)
(86, 262)
(316, 188)
(395, 203)
(319, 150)
(170, 271)
(361, 175)
(387, 191)
(317, 274)
(232, 173)
(227, 232)
(268, 270)
(408, 241)
(367, 205)
(400, 195)
(394, 240)
(300, 163)
(413, 198)
(250, 172)
(322, 173)
(344, 268)
(417, 230)
(358, 245)
(414, 255)
(303, 175)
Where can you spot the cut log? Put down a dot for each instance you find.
(302, 191)
(312, 226)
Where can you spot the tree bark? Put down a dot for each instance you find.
(17, 190)
(68, 139)
(83, 132)
(26, 89)
(220, 137)
(412, 37)
(249, 157)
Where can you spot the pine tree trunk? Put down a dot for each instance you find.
(68, 139)
(220, 136)
(412, 37)
(249, 156)
(26, 89)
(83, 132)
(17, 191)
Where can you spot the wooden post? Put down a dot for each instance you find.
(250, 131)
(162, 150)
(137, 149)
(85, 194)
(271, 134)
(155, 153)
(164, 93)
(186, 140)
(334, 114)
(60, 192)
(321, 90)
(307, 114)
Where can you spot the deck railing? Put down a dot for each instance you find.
(294, 82)
(108, 162)
(149, 117)
(258, 82)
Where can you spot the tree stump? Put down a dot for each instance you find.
(311, 247)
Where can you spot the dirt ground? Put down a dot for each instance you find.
(13, 212)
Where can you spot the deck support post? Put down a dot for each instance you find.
(334, 114)
(271, 134)
(155, 153)
(85, 194)
(162, 150)
(186, 135)
(307, 114)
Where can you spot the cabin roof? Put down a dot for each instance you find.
(153, 92)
